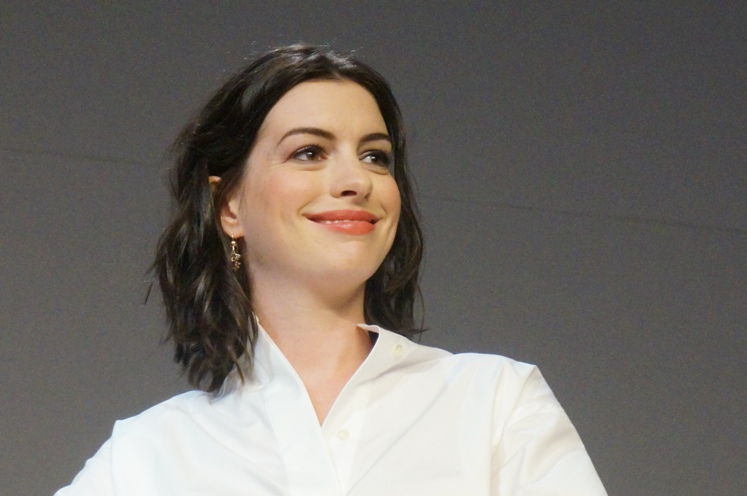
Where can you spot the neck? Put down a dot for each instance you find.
(303, 312)
(322, 341)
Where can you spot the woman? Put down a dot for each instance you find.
(294, 244)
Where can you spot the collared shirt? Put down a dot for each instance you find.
(412, 420)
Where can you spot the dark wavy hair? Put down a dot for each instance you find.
(208, 304)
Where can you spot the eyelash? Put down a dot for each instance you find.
(303, 153)
(380, 157)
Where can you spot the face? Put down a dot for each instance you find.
(317, 201)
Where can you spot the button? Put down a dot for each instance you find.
(397, 350)
(343, 435)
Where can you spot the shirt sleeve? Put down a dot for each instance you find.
(96, 477)
(539, 451)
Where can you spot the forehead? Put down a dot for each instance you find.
(327, 105)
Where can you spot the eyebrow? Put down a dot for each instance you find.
(327, 135)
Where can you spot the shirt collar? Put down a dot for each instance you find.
(389, 351)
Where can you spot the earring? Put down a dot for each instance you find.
(235, 255)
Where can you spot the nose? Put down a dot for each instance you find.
(349, 177)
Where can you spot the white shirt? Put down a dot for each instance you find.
(412, 420)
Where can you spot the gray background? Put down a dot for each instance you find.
(582, 175)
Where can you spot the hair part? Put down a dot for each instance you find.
(208, 304)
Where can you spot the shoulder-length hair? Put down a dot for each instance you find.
(208, 304)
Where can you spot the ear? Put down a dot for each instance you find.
(228, 211)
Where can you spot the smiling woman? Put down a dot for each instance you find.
(317, 204)
(289, 274)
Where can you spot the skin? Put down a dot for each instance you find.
(322, 148)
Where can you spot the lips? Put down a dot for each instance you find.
(345, 221)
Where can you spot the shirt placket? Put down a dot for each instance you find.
(343, 427)
(310, 470)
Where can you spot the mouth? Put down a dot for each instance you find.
(346, 221)
(343, 216)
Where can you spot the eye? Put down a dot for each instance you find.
(311, 153)
(378, 157)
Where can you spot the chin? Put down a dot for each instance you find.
(353, 272)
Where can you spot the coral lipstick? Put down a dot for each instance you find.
(345, 221)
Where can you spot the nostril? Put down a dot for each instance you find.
(349, 192)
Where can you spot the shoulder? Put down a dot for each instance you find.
(488, 375)
(175, 413)
(120, 454)
(180, 404)
(460, 363)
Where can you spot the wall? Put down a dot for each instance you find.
(581, 172)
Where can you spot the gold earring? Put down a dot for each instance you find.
(235, 255)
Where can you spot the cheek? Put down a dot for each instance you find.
(390, 197)
(277, 196)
